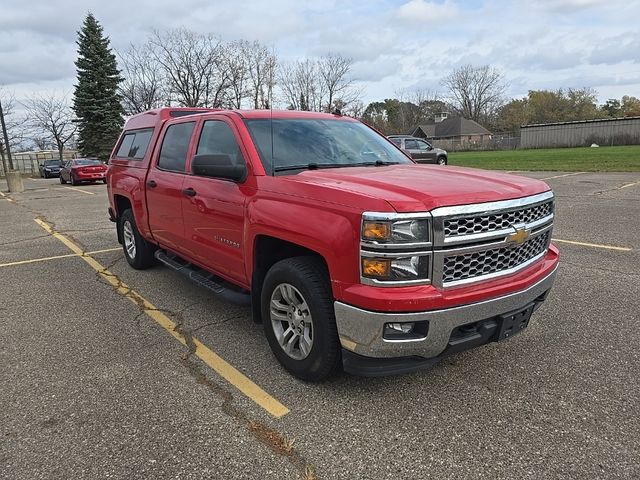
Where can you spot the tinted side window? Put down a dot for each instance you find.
(396, 141)
(217, 138)
(134, 145)
(125, 146)
(140, 144)
(173, 153)
(410, 145)
(422, 145)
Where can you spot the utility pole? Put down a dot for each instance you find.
(13, 177)
(6, 141)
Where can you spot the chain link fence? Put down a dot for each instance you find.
(28, 162)
(501, 141)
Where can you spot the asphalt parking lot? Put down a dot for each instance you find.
(94, 385)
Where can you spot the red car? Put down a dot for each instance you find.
(83, 170)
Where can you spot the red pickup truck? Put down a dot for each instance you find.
(349, 253)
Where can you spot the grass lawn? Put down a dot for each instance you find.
(585, 159)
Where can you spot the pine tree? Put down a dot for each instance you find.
(96, 101)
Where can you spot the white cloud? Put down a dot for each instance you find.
(421, 11)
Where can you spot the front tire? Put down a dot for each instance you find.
(442, 160)
(299, 319)
(137, 251)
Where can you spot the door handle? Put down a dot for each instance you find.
(189, 192)
(152, 184)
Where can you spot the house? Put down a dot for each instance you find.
(453, 129)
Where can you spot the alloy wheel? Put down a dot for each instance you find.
(291, 321)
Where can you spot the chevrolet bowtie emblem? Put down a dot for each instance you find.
(518, 237)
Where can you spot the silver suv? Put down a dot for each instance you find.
(420, 150)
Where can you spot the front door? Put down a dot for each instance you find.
(165, 184)
(427, 152)
(214, 211)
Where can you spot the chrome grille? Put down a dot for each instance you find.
(475, 242)
(486, 262)
(454, 227)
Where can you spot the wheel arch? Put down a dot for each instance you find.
(267, 251)
(121, 203)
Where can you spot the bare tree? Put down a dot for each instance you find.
(476, 92)
(261, 69)
(301, 85)
(235, 62)
(194, 67)
(144, 85)
(319, 85)
(52, 116)
(335, 82)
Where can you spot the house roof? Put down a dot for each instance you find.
(451, 127)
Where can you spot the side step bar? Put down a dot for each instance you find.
(203, 278)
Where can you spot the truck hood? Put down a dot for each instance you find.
(413, 188)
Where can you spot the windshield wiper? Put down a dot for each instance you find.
(316, 166)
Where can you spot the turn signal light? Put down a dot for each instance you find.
(376, 230)
(376, 268)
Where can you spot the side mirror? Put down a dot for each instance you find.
(218, 166)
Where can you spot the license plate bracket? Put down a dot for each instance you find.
(514, 322)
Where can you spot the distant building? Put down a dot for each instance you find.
(608, 131)
(456, 130)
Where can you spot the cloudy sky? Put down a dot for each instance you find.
(395, 44)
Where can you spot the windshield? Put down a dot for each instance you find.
(86, 161)
(326, 143)
(52, 163)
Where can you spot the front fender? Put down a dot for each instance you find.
(330, 230)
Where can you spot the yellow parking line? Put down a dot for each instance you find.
(223, 368)
(564, 175)
(55, 257)
(78, 190)
(629, 185)
(594, 245)
(2, 195)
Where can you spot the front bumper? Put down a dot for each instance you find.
(361, 331)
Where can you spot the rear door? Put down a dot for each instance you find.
(214, 209)
(164, 185)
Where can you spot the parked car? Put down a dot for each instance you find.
(349, 253)
(420, 150)
(50, 168)
(83, 170)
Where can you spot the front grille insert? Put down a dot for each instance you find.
(486, 262)
(493, 222)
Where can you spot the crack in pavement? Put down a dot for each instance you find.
(265, 435)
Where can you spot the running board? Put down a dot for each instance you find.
(203, 278)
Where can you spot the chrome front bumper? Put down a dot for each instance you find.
(361, 330)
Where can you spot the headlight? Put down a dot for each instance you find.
(409, 268)
(395, 249)
(410, 230)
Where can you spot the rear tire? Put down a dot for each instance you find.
(299, 319)
(137, 251)
(72, 180)
(62, 180)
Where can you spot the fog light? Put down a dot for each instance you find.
(400, 327)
